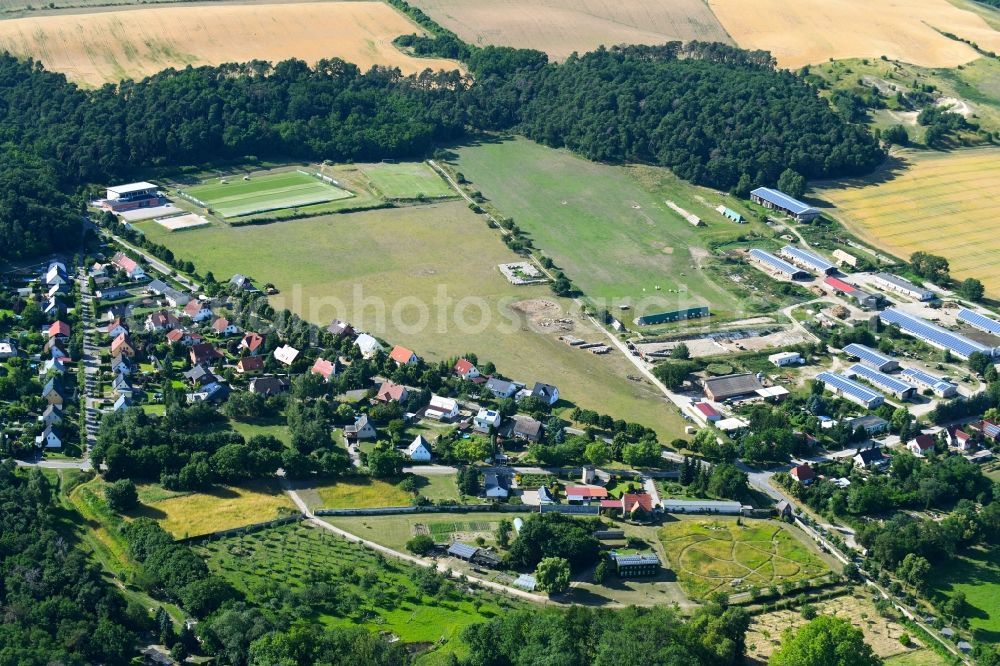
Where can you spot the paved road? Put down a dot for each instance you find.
(154, 263)
(91, 364)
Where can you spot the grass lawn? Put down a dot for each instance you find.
(409, 180)
(378, 593)
(924, 657)
(978, 575)
(224, 508)
(277, 428)
(233, 196)
(609, 227)
(356, 493)
(438, 486)
(426, 277)
(710, 555)
(395, 531)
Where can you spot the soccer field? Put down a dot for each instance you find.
(410, 180)
(235, 197)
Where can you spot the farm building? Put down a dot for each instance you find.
(640, 564)
(778, 200)
(939, 386)
(934, 335)
(869, 356)
(982, 322)
(730, 214)
(710, 413)
(864, 299)
(898, 285)
(728, 387)
(132, 196)
(808, 260)
(462, 551)
(900, 389)
(873, 425)
(777, 265)
(701, 506)
(582, 494)
(674, 315)
(781, 359)
(773, 393)
(845, 258)
(851, 390)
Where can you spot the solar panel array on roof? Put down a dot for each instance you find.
(991, 430)
(851, 390)
(936, 384)
(979, 321)
(872, 357)
(900, 388)
(776, 263)
(462, 550)
(645, 558)
(934, 334)
(810, 259)
(781, 199)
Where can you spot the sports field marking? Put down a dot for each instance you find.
(234, 197)
(410, 180)
(935, 202)
(107, 46)
(808, 32)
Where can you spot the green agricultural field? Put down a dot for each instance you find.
(409, 180)
(976, 573)
(355, 493)
(366, 589)
(437, 487)
(395, 531)
(235, 196)
(609, 228)
(426, 277)
(719, 554)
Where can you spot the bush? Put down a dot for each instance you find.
(121, 495)
(420, 544)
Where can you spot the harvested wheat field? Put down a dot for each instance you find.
(560, 27)
(943, 203)
(809, 32)
(101, 47)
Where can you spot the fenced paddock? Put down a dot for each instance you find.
(234, 196)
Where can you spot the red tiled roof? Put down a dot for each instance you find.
(611, 504)
(176, 335)
(115, 324)
(193, 307)
(204, 352)
(390, 391)
(401, 354)
(323, 367)
(925, 442)
(463, 367)
(220, 324)
(252, 341)
(124, 262)
(251, 363)
(803, 473)
(630, 500)
(587, 491)
(59, 328)
(119, 342)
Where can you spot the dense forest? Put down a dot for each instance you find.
(715, 114)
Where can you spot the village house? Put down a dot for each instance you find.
(252, 343)
(49, 439)
(495, 486)
(122, 346)
(8, 348)
(368, 345)
(486, 419)
(53, 392)
(198, 310)
(546, 393)
(403, 356)
(585, 494)
(122, 365)
(59, 330)
(286, 354)
(804, 474)
(419, 450)
(122, 386)
(224, 328)
(391, 392)
(632, 506)
(441, 408)
(324, 368)
(204, 353)
(870, 458)
(199, 375)
(501, 388)
(526, 428)
(269, 386)
(161, 321)
(242, 283)
(55, 365)
(921, 445)
(52, 415)
(128, 266)
(173, 297)
(360, 429)
(116, 328)
(464, 369)
(123, 402)
(249, 364)
(340, 328)
(179, 336)
(961, 440)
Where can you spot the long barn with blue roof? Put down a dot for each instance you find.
(778, 200)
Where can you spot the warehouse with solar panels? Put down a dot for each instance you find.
(808, 260)
(778, 200)
(934, 335)
(939, 386)
(781, 266)
(982, 322)
(851, 390)
(869, 356)
(640, 564)
(896, 387)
